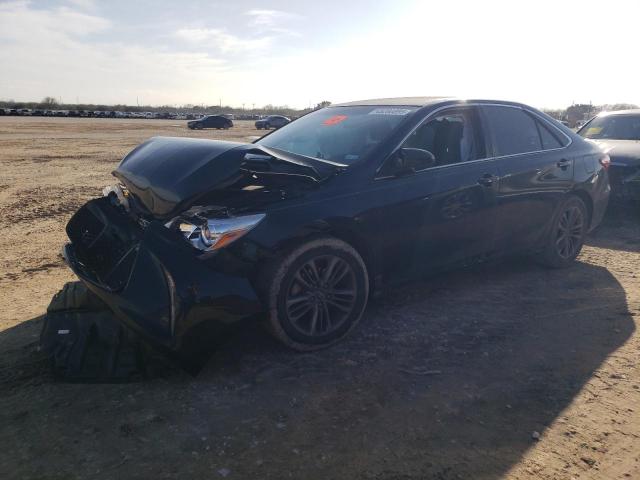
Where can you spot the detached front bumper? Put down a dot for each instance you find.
(152, 280)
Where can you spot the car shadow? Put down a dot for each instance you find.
(445, 378)
(620, 229)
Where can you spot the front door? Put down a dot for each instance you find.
(444, 213)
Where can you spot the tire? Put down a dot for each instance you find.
(267, 126)
(306, 280)
(566, 235)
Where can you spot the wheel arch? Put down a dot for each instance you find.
(588, 202)
(344, 229)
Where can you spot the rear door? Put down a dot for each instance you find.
(535, 170)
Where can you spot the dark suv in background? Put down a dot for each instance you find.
(305, 223)
(272, 121)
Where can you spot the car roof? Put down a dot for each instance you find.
(427, 101)
(635, 111)
(398, 101)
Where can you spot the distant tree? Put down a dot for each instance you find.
(49, 101)
(619, 106)
(324, 103)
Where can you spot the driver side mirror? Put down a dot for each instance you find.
(411, 160)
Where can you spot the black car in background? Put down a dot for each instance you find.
(304, 224)
(618, 134)
(210, 121)
(272, 121)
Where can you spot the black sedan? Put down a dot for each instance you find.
(303, 225)
(210, 121)
(618, 134)
(272, 121)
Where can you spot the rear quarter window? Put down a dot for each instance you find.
(550, 139)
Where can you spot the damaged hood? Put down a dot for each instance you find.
(167, 175)
(624, 153)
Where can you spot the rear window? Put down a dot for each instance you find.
(339, 134)
(513, 131)
(614, 127)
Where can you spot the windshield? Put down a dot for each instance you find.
(339, 134)
(615, 127)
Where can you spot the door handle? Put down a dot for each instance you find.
(486, 180)
(563, 164)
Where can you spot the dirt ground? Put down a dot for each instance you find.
(447, 378)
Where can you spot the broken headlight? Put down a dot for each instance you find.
(216, 233)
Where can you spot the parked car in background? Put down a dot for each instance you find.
(618, 134)
(210, 121)
(306, 222)
(272, 121)
(2, 111)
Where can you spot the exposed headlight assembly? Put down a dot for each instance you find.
(216, 233)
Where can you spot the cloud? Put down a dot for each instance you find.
(271, 21)
(269, 18)
(221, 40)
(55, 57)
(16, 16)
(84, 4)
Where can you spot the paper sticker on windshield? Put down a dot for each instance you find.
(336, 119)
(593, 131)
(390, 111)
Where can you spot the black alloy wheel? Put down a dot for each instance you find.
(315, 293)
(570, 232)
(566, 234)
(321, 295)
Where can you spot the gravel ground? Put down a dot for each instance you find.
(501, 371)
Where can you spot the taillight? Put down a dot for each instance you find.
(605, 162)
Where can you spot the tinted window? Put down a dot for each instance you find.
(618, 127)
(512, 130)
(452, 138)
(549, 139)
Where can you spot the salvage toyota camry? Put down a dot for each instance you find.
(303, 225)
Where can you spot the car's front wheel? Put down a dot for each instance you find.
(316, 294)
(566, 236)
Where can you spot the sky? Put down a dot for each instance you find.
(549, 54)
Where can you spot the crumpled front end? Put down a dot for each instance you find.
(152, 280)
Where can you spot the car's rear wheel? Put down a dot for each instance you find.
(567, 234)
(316, 294)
